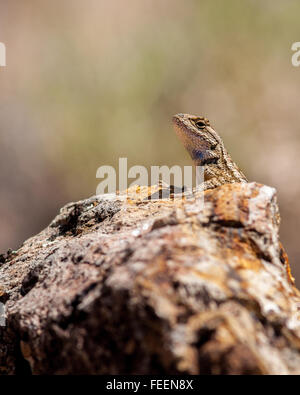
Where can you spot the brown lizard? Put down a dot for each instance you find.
(206, 149)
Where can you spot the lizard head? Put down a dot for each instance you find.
(192, 123)
(206, 148)
(196, 134)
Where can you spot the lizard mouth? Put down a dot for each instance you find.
(182, 120)
(177, 118)
(190, 124)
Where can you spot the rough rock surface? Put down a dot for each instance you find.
(122, 284)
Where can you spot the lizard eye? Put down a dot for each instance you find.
(200, 124)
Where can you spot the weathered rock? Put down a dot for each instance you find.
(122, 284)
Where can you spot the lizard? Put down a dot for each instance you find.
(207, 149)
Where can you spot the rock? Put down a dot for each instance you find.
(126, 285)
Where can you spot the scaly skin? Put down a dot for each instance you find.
(206, 149)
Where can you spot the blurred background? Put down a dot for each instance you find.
(90, 81)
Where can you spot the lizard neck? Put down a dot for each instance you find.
(217, 162)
